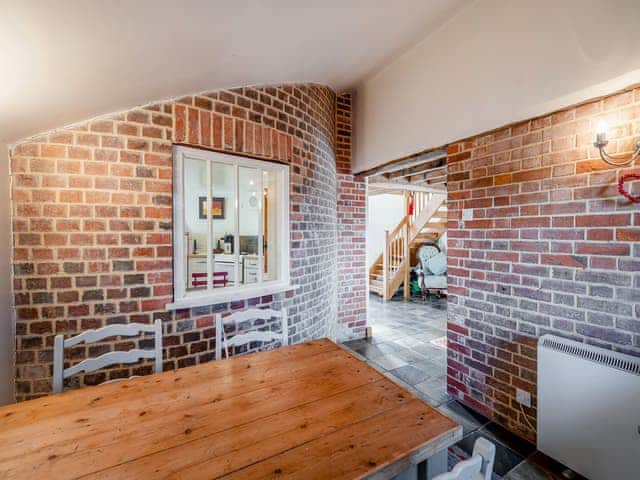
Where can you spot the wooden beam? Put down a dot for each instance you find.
(383, 191)
(418, 169)
(408, 187)
(412, 180)
(431, 180)
(435, 182)
(406, 163)
(427, 175)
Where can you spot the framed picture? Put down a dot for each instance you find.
(217, 208)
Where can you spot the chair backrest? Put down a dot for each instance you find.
(425, 252)
(252, 336)
(109, 358)
(478, 467)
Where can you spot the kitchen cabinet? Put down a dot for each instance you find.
(250, 269)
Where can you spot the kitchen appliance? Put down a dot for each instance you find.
(228, 244)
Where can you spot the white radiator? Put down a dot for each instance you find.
(589, 408)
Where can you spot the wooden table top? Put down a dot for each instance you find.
(307, 411)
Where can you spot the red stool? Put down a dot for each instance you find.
(220, 279)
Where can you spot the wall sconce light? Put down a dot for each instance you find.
(601, 142)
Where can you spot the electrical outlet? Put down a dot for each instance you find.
(467, 214)
(523, 398)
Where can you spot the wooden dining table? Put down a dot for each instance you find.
(307, 411)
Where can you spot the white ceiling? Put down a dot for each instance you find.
(63, 61)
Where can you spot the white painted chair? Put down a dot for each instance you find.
(109, 358)
(252, 336)
(478, 467)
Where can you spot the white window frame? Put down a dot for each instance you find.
(188, 299)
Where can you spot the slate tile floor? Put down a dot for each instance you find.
(402, 348)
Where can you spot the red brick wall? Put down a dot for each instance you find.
(352, 273)
(92, 210)
(552, 247)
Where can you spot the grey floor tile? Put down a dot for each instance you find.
(539, 463)
(431, 369)
(506, 459)
(470, 420)
(389, 361)
(410, 355)
(436, 401)
(410, 374)
(509, 439)
(388, 346)
(429, 351)
(434, 387)
(355, 344)
(409, 342)
(526, 471)
(370, 351)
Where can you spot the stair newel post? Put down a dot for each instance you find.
(407, 287)
(385, 265)
(405, 195)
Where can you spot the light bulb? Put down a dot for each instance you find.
(601, 127)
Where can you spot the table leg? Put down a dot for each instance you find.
(409, 474)
(433, 466)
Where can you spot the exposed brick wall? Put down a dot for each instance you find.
(92, 210)
(552, 247)
(352, 273)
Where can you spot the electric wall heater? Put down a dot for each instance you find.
(589, 408)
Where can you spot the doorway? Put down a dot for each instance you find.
(406, 256)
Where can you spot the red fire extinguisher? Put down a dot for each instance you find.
(410, 206)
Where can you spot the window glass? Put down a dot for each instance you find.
(250, 188)
(223, 194)
(195, 181)
(271, 191)
(231, 224)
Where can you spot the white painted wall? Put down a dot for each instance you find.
(383, 213)
(495, 62)
(7, 325)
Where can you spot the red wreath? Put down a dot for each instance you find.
(624, 178)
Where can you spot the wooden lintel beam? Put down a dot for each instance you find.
(407, 187)
(419, 169)
(407, 163)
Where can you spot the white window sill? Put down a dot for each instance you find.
(232, 294)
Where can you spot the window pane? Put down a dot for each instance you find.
(250, 203)
(195, 221)
(223, 224)
(273, 218)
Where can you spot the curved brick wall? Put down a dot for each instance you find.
(92, 223)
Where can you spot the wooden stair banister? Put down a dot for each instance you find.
(394, 261)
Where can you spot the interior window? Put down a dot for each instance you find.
(231, 224)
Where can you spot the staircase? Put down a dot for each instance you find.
(427, 222)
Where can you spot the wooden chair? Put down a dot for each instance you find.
(478, 467)
(109, 358)
(253, 336)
